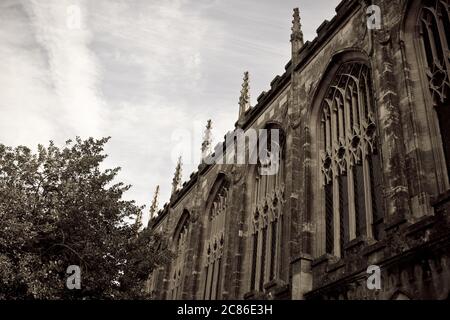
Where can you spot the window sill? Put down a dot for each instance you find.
(332, 267)
(441, 199)
(375, 247)
(357, 242)
(273, 284)
(323, 259)
(254, 295)
(394, 222)
(422, 224)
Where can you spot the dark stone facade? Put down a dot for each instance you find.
(413, 245)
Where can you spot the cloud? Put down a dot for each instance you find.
(139, 71)
(73, 68)
(26, 94)
(49, 74)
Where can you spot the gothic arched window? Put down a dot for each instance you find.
(180, 247)
(215, 241)
(351, 168)
(434, 29)
(267, 219)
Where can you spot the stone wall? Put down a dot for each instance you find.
(413, 252)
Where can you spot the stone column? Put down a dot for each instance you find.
(392, 139)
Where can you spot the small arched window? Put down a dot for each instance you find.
(266, 220)
(434, 26)
(350, 159)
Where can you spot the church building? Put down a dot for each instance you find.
(363, 115)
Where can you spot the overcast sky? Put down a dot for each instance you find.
(144, 72)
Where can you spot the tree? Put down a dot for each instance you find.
(59, 208)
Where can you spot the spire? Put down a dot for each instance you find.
(177, 177)
(244, 100)
(297, 34)
(207, 140)
(154, 206)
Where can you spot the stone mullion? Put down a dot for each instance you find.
(220, 277)
(432, 40)
(336, 217)
(182, 263)
(266, 187)
(336, 211)
(268, 256)
(328, 129)
(328, 147)
(209, 280)
(205, 282)
(368, 196)
(208, 266)
(175, 287)
(350, 182)
(259, 255)
(362, 101)
(215, 278)
(179, 269)
(365, 100)
(257, 184)
(171, 292)
(341, 122)
(173, 275)
(351, 202)
(272, 179)
(179, 263)
(279, 233)
(253, 260)
(365, 154)
(354, 107)
(263, 271)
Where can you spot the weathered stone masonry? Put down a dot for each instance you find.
(365, 120)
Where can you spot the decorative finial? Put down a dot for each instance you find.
(297, 34)
(154, 206)
(244, 100)
(177, 177)
(207, 140)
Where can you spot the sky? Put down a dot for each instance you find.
(147, 73)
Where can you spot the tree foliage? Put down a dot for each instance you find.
(59, 208)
